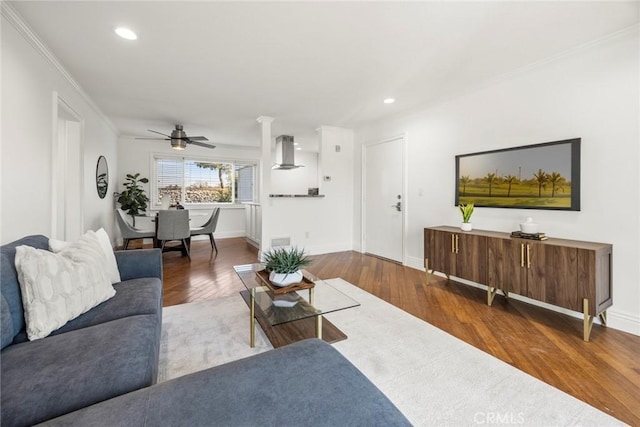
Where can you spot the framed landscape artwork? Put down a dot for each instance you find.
(540, 176)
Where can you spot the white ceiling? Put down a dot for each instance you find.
(216, 66)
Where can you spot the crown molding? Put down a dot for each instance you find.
(565, 53)
(12, 16)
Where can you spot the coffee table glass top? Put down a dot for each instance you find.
(324, 297)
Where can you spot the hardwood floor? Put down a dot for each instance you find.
(604, 372)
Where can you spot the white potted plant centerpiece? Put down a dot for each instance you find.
(466, 211)
(284, 265)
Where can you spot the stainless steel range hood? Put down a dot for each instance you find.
(285, 153)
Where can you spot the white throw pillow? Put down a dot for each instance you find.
(110, 264)
(58, 287)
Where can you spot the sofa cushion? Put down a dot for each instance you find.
(12, 319)
(59, 287)
(133, 297)
(304, 384)
(50, 377)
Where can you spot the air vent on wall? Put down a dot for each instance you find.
(281, 241)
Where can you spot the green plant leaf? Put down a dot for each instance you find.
(285, 261)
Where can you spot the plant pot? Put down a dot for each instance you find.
(466, 226)
(285, 279)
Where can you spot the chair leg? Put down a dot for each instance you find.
(186, 248)
(125, 244)
(213, 242)
(162, 242)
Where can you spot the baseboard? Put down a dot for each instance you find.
(414, 262)
(222, 235)
(328, 249)
(622, 321)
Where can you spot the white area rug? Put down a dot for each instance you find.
(432, 377)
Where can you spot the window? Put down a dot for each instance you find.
(190, 181)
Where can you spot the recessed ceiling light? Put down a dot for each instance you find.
(298, 148)
(126, 33)
(389, 101)
(295, 143)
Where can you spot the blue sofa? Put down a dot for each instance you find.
(98, 369)
(106, 352)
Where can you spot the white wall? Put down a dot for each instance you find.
(324, 224)
(592, 93)
(29, 81)
(296, 181)
(137, 156)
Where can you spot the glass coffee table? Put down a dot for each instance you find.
(292, 316)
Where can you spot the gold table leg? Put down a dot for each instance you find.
(252, 323)
(319, 327)
(311, 295)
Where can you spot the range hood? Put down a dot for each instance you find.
(284, 153)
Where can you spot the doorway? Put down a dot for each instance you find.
(66, 173)
(384, 199)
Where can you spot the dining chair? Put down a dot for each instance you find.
(173, 225)
(129, 232)
(208, 228)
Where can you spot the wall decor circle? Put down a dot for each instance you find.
(102, 177)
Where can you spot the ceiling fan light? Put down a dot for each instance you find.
(178, 144)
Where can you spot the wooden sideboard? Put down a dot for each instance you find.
(566, 273)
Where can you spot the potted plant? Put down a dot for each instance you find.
(284, 265)
(133, 200)
(466, 211)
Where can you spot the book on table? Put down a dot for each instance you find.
(531, 236)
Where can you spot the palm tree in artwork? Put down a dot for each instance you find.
(490, 179)
(541, 179)
(509, 179)
(464, 180)
(557, 181)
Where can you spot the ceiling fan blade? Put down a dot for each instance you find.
(153, 138)
(159, 133)
(198, 138)
(201, 144)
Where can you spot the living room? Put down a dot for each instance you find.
(579, 85)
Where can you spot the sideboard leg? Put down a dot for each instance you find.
(426, 270)
(603, 318)
(588, 320)
(506, 294)
(491, 294)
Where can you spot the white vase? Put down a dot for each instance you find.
(466, 226)
(285, 279)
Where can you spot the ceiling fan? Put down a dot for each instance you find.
(179, 139)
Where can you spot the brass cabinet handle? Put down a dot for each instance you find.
(457, 248)
(453, 244)
(528, 256)
(521, 254)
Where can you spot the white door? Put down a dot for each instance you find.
(67, 170)
(384, 199)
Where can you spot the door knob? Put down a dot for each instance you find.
(398, 206)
